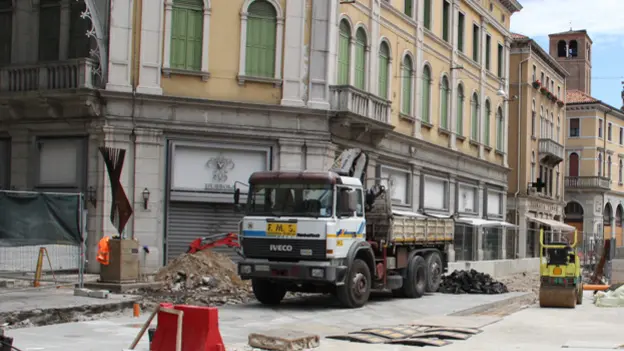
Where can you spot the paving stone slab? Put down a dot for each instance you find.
(473, 322)
(284, 340)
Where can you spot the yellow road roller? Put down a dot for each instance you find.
(561, 283)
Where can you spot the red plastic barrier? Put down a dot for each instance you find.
(200, 329)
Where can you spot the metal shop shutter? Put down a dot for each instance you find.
(190, 220)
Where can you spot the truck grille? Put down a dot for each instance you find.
(281, 249)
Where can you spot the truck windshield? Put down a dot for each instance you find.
(296, 200)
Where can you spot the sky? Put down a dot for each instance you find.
(605, 25)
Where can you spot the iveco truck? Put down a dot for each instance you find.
(324, 232)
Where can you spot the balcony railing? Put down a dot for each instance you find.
(593, 182)
(346, 98)
(70, 74)
(551, 150)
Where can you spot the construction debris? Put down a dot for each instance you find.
(471, 282)
(205, 278)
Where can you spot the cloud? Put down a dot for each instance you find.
(601, 18)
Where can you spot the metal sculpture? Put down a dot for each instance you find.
(121, 209)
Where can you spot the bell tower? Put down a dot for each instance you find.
(572, 50)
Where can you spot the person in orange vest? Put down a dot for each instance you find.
(103, 255)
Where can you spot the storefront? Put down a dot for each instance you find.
(202, 179)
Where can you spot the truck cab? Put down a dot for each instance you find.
(297, 230)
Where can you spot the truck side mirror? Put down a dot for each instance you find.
(236, 196)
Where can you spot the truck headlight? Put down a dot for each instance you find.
(245, 269)
(317, 272)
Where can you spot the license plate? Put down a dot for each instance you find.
(281, 229)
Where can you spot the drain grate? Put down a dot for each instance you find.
(410, 335)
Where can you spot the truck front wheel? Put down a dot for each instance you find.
(356, 289)
(268, 292)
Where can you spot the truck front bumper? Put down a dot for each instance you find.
(292, 271)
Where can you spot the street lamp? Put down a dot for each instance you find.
(146, 196)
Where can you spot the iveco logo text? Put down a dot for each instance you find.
(284, 248)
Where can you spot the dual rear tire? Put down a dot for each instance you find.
(423, 274)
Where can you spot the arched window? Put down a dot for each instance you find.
(573, 48)
(344, 52)
(384, 69)
(562, 49)
(609, 167)
(607, 215)
(499, 130)
(532, 166)
(360, 59)
(474, 123)
(79, 43)
(486, 122)
(573, 162)
(407, 71)
(620, 172)
(426, 95)
(533, 113)
(186, 34)
(460, 110)
(444, 102)
(542, 123)
(261, 39)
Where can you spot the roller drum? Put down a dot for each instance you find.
(557, 297)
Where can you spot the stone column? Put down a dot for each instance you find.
(522, 231)
(120, 46)
(323, 52)
(416, 194)
(65, 23)
(482, 87)
(452, 119)
(291, 157)
(150, 64)
(506, 74)
(482, 212)
(294, 54)
(418, 68)
(319, 155)
(149, 174)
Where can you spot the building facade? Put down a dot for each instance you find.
(594, 188)
(535, 197)
(202, 93)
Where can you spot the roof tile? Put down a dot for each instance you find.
(579, 97)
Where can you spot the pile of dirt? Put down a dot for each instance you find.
(204, 278)
(523, 282)
(471, 282)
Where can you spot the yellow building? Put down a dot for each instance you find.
(203, 92)
(537, 153)
(594, 188)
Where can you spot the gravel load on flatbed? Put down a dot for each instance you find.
(471, 282)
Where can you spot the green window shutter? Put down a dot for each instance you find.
(384, 57)
(194, 36)
(446, 9)
(344, 53)
(49, 31)
(488, 111)
(475, 43)
(488, 53)
(499, 130)
(360, 59)
(500, 60)
(261, 40)
(474, 130)
(406, 98)
(6, 30)
(427, 14)
(426, 95)
(461, 24)
(460, 111)
(179, 18)
(444, 93)
(409, 8)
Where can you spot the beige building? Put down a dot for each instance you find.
(202, 93)
(537, 155)
(594, 183)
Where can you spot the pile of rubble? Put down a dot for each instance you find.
(471, 282)
(204, 278)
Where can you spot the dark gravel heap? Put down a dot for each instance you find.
(471, 282)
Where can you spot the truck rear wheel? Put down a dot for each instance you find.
(268, 292)
(433, 261)
(415, 280)
(356, 289)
